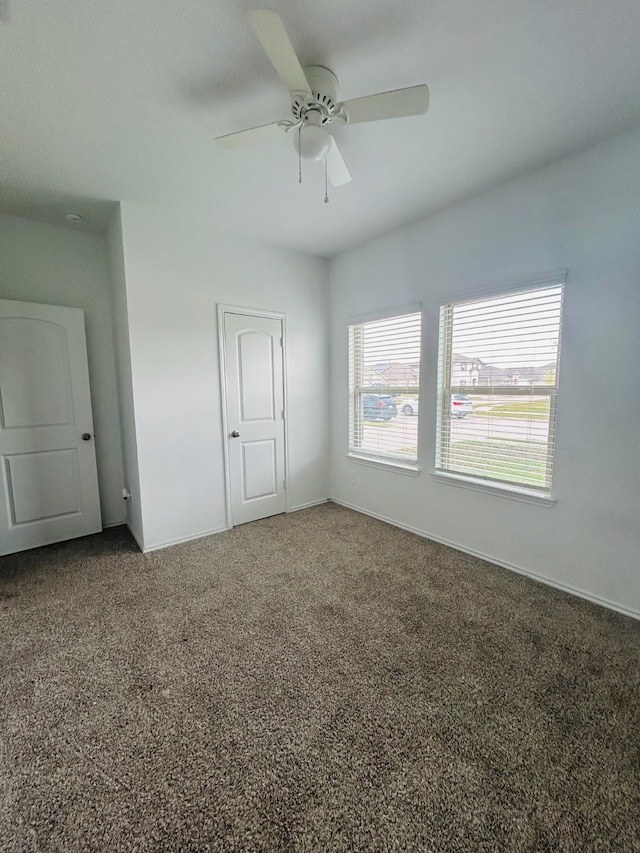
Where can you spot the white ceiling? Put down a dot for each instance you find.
(120, 100)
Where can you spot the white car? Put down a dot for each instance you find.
(460, 406)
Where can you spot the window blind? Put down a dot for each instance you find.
(498, 385)
(384, 379)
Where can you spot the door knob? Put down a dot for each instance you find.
(86, 436)
(235, 434)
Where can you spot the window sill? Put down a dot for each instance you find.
(398, 467)
(501, 491)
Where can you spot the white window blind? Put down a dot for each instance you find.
(498, 386)
(384, 378)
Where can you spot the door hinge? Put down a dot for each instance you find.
(283, 415)
(281, 342)
(284, 484)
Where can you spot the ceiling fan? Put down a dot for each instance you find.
(315, 105)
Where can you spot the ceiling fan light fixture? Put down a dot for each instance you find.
(315, 103)
(312, 142)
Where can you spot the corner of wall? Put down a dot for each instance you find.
(115, 252)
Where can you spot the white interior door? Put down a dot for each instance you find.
(254, 382)
(48, 479)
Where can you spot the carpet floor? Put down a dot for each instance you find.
(318, 681)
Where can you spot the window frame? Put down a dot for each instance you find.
(357, 389)
(445, 390)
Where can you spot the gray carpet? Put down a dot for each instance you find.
(318, 681)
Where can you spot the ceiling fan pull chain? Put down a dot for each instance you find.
(326, 182)
(299, 154)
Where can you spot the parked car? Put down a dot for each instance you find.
(410, 407)
(379, 406)
(460, 406)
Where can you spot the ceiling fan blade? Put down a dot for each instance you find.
(253, 134)
(412, 101)
(273, 37)
(337, 169)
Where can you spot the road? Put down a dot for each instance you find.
(403, 430)
(481, 427)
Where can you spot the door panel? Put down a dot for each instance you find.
(259, 469)
(255, 361)
(48, 478)
(254, 383)
(43, 485)
(32, 396)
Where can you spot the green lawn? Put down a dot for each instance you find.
(537, 410)
(516, 461)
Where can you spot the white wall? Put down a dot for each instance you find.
(581, 213)
(177, 271)
(58, 266)
(123, 369)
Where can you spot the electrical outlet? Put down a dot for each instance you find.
(353, 477)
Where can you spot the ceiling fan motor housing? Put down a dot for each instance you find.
(323, 99)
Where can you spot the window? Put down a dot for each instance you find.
(502, 429)
(384, 379)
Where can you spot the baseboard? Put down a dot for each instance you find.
(114, 524)
(168, 544)
(603, 602)
(308, 505)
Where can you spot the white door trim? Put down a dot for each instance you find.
(272, 315)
